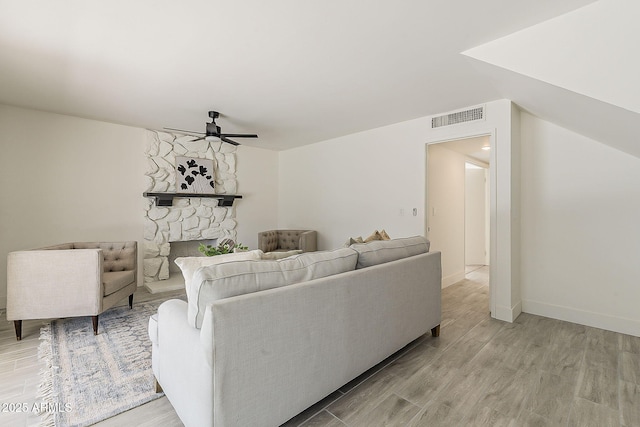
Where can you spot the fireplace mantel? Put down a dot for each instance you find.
(166, 199)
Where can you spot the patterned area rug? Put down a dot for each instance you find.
(89, 378)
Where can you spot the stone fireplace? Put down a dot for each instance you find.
(191, 220)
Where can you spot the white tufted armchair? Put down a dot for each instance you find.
(70, 280)
(287, 240)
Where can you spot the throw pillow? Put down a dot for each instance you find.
(353, 240)
(189, 265)
(374, 236)
(384, 235)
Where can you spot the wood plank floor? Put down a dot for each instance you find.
(479, 372)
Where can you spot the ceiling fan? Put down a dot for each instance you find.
(213, 131)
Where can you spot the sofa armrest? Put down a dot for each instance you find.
(206, 336)
(308, 241)
(54, 283)
(170, 317)
(179, 365)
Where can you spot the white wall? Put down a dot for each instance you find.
(475, 236)
(257, 171)
(68, 179)
(65, 179)
(446, 209)
(351, 185)
(580, 229)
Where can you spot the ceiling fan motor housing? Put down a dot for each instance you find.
(212, 128)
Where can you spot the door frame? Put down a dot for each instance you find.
(494, 261)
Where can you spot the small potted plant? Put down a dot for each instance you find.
(226, 246)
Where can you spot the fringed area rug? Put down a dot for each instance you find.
(89, 378)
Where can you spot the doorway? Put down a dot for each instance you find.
(458, 205)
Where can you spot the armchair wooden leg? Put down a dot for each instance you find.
(131, 301)
(94, 319)
(18, 325)
(158, 386)
(435, 332)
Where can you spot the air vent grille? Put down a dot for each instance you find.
(458, 117)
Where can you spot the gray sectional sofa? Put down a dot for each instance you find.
(260, 341)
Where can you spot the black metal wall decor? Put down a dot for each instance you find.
(195, 176)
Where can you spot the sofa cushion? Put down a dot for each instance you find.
(280, 254)
(189, 265)
(381, 251)
(113, 281)
(240, 277)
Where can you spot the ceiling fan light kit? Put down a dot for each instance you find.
(214, 133)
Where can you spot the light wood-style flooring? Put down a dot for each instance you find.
(479, 372)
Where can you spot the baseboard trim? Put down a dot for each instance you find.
(508, 314)
(451, 279)
(583, 317)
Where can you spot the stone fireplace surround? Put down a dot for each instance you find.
(189, 219)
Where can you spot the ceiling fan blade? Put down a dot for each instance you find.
(184, 131)
(227, 140)
(239, 135)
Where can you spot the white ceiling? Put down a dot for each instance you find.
(578, 70)
(295, 72)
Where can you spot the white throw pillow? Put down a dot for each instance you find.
(189, 265)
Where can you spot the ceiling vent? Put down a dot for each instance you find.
(471, 115)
